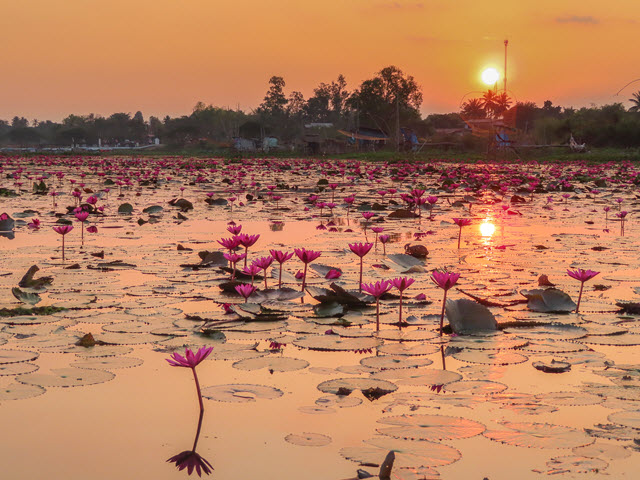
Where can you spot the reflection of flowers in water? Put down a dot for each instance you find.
(191, 461)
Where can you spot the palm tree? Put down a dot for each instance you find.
(636, 102)
(489, 103)
(502, 103)
(473, 109)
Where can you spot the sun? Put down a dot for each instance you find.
(490, 76)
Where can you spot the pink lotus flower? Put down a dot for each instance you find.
(280, 257)
(306, 256)
(251, 270)
(444, 280)
(190, 360)
(245, 290)
(264, 263)
(582, 276)
(376, 290)
(247, 241)
(384, 239)
(360, 249)
(63, 230)
(92, 229)
(234, 229)
(92, 200)
(333, 274)
(461, 222)
(229, 243)
(34, 224)
(401, 283)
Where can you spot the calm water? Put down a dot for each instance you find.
(491, 420)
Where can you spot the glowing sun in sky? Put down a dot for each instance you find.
(490, 76)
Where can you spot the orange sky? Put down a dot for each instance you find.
(162, 56)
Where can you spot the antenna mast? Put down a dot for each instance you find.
(506, 44)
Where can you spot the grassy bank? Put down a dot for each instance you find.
(595, 155)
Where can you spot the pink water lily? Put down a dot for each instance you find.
(280, 257)
(263, 263)
(306, 257)
(582, 276)
(461, 222)
(361, 249)
(444, 280)
(63, 230)
(401, 283)
(191, 360)
(245, 290)
(376, 290)
(333, 274)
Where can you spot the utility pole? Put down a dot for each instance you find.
(506, 44)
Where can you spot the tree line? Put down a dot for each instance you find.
(389, 100)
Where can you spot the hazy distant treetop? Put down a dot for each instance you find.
(635, 99)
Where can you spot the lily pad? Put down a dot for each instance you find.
(19, 391)
(336, 343)
(344, 386)
(66, 377)
(241, 393)
(15, 356)
(387, 362)
(466, 316)
(308, 439)
(430, 427)
(548, 300)
(539, 435)
(486, 357)
(272, 363)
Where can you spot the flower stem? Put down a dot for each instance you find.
(377, 314)
(444, 302)
(280, 277)
(400, 316)
(195, 377)
(360, 283)
(579, 297)
(459, 236)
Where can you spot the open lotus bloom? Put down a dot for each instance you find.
(190, 360)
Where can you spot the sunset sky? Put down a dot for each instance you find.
(163, 56)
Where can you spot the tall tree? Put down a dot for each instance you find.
(473, 108)
(275, 100)
(635, 100)
(388, 98)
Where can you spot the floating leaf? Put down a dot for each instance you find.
(340, 401)
(26, 297)
(272, 363)
(240, 393)
(336, 343)
(66, 377)
(466, 316)
(418, 376)
(409, 454)
(344, 386)
(108, 363)
(430, 427)
(476, 387)
(486, 357)
(548, 300)
(387, 362)
(554, 366)
(574, 464)
(16, 356)
(538, 435)
(17, 368)
(564, 399)
(19, 391)
(308, 439)
(628, 419)
(408, 349)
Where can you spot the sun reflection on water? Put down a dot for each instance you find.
(487, 229)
